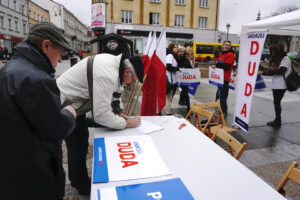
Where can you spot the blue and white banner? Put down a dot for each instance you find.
(190, 78)
(231, 84)
(252, 44)
(172, 189)
(260, 83)
(125, 158)
(216, 76)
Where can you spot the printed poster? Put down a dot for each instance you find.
(216, 76)
(252, 44)
(190, 78)
(172, 189)
(98, 15)
(125, 158)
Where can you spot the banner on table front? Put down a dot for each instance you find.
(125, 158)
(190, 78)
(216, 76)
(251, 48)
(168, 190)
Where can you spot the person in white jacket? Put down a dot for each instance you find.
(110, 73)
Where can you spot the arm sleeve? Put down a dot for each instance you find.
(170, 68)
(280, 70)
(102, 98)
(224, 66)
(42, 107)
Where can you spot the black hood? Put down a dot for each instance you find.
(35, 56)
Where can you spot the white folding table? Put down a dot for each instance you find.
(209, 172)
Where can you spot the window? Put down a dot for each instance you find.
(42, 18)
(38, 17)
(203, 22)
(1, 21)
(15, 5)
(155, 1)
(203, 3)
(24, 27)
(9, 24)
(126, 17)
(29, 13)
(154, 18)
(180, 2)
(179, 19)
(33, 15)
(16, 25)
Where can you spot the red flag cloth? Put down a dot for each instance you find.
(154, 88)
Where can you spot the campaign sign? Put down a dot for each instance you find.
(172, 189)
(125, 158)
(231, 84)
(190, 78)
(252, 44)
(216, 76)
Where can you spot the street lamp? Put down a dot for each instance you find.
(228, 27)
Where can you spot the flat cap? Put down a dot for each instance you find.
(49, 31)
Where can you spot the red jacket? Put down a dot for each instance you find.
(226, 58)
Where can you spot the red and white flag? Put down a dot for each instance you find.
(154, 88)
(145, 58)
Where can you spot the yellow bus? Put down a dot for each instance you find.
(206, 51)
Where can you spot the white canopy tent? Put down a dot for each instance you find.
(285, 24)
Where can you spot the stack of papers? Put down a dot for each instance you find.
(148, 127)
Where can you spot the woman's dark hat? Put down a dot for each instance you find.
(138, 66)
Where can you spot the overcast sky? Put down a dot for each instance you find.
(234, 12)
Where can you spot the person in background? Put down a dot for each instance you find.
(32, 120)
(181, 57)
(225, 61)
(189, 63)
(280, 68)
(172, 68)
(80, 54)
(110, 73)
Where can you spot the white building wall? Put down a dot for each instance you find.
(16, 13)
(55, 11)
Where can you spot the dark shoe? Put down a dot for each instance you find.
(274, 123)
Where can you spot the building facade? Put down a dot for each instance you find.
(75, 31)
(13, 23)
(184, 20)
(37, 14)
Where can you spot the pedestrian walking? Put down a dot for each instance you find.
(110, 73)
(32, 120)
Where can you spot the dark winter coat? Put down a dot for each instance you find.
(32, 126)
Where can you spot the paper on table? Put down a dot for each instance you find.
(148, 127)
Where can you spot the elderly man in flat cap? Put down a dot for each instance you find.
(109, 72)
(32, 120)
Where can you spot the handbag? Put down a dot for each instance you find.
(292, 80)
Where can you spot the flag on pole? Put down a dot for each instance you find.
(145, 58)
(154, 88)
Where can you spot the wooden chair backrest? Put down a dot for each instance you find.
(211, 105)
(198, 113)
(292, 173)
(236, 148)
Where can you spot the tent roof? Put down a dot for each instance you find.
(285, 24)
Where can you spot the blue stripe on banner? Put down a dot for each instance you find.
(167, 190)
(241, 123)
(231, 87)
(100, 162)
(98, 194)
(216, 84)
(193, 88)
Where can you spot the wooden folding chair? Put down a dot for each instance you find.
(198, 115)
(220, 117)
(235, 147)
(292, 173)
